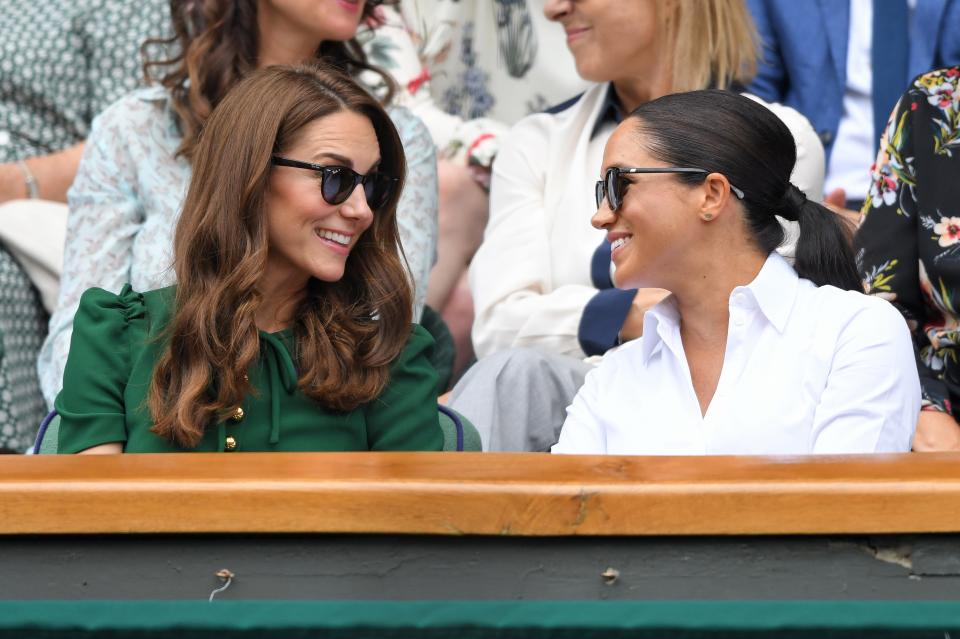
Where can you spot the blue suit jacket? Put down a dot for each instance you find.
(805, 53)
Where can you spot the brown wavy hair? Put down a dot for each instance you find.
(214, 45)
(347, 332)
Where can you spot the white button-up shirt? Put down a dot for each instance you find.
(806, 370)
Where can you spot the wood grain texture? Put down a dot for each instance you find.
(479, 493)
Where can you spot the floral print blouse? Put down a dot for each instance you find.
(126, 199)
(909, 240)
(472, 68)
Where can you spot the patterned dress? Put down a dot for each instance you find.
(472, 68)
(909, 241)
(61, 62)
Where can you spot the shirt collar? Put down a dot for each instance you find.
(659, 325)
(153, 93)
(773, 291)
(610, 111)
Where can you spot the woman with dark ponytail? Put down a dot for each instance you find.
(748, 355)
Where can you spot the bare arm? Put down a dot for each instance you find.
(113, 448)
(936, 432)
(54, 174)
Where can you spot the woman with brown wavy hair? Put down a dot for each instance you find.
(130, 186)
(290, 324)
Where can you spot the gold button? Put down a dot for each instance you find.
(237, 414)
(230, 444)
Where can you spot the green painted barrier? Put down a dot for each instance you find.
(479, 619)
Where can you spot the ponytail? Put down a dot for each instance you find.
(727, 133)
(824, 254)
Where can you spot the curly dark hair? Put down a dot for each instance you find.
(214, 46)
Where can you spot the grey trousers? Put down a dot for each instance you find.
(517, 398)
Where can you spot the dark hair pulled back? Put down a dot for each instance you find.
(727, 133)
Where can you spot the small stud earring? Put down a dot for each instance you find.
(707, 217)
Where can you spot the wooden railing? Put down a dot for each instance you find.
(479, 494)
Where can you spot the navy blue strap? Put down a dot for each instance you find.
(452, 414)
(44, 425)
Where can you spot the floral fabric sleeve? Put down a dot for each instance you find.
(908, 244)
(395, 47)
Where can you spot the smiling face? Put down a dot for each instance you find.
(320, 20)
(609, 39)
(657, 224)
(309, 237)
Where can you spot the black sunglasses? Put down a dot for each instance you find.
(338, 182)
(613, 184)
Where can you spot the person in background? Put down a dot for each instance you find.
(909, 240)
(843, 64)
(289, 328)
(541, 279)
(62, 63)
(747, 355)
(134, 173)
(468, 96)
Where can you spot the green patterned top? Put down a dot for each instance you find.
(116, 344)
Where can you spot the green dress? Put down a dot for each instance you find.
(116, 344)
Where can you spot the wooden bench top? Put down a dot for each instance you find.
(479, 493)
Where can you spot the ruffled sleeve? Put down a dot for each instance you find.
(405, 416)
(91, 405)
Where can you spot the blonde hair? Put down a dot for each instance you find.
(713, 43)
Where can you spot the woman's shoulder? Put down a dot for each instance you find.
(103, 303)
(160, 301)
(537, 133)
(571, 109)
(414, 134)
(134, 113)
(936, 79)
(416, 353)
(419, 341)
(935, 90)
(407, 122)
(852, 309)
(111, 311)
